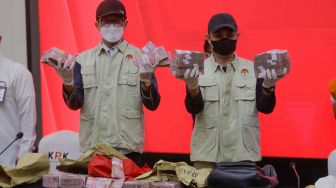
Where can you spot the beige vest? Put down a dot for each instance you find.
(112, 111)
(227, 129)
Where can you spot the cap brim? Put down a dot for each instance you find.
(111, 12)
(214, 29)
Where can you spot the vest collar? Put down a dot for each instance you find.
(215, 66)
(122, 45)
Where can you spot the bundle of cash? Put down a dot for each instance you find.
(72, 181)
(151, 52)
(162, 55)
(93, 182)
(54, 55)
(51, 180)
(117, 183)
(148, 47)
(137, 184)
(273, 59)
(166, 184)
(184, 60)
(117, 168)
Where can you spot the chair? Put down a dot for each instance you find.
(61, 144)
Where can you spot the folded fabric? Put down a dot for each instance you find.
(29, 169)
(178, 172)
(80, 166)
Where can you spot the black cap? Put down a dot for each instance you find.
(221, 20)
(108, 7)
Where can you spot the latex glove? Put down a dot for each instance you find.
(270, 77)
(147, 65)
(65, 71)
(191, 77)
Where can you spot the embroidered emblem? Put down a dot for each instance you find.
(129, 57)
(244, 72)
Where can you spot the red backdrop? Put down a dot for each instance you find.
(302, 124)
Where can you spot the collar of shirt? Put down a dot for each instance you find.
(215, 66)
(121, 45)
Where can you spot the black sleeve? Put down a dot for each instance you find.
(76, 98)
(265, 104)
(194, 105)
(151, 100)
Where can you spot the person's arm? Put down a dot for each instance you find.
(73, 95)
(150, 94)
(265, 98)
(25, 100)
(194, 101)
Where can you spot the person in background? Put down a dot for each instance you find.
(108, 88)
(207, 49)
(17, 111)
(332, 90)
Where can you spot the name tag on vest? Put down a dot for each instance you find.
(3, 89)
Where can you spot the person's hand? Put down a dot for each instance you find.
(191, 78)
(147, 65)
(270, 77)
(64, 68)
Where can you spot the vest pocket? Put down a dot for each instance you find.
(131, 128)
(132, 79)
(129, 75)
(245, 94)
(129, 90)
(245, 88)
(89, 76)
(204, 142)
(86, 132)
(130, 113)
(251, 135)
(133, 76)
(90, 86)
(209, 90)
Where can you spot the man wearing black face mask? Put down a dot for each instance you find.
(226, 100)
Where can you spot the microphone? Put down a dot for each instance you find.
(19, 135)
(293, 165)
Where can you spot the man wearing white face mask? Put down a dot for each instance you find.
(105, 85)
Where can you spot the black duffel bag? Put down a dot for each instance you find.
(242, 175)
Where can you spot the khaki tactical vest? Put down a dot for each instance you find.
(112, 110)
(227, 129)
